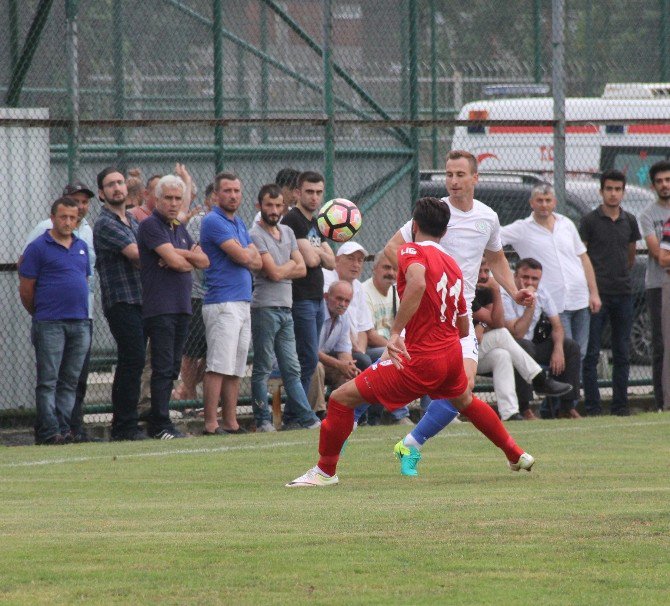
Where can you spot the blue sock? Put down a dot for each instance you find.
(438, 415)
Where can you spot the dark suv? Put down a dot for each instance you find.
(508, 194)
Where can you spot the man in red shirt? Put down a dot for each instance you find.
(427, 360)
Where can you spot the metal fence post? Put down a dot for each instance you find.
(413, 59)
(13, 13)
(217, 32)
(119, 79)
(664, 41)
(558, 85)
(265, 75)
(328, 106)
(71, 9)
(588, 43)
(433, 85)
(537, 41)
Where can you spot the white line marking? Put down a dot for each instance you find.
(576, 426)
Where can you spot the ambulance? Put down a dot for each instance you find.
(623, 135)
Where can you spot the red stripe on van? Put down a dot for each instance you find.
(503, 130)
(649, 129)
(579, 130)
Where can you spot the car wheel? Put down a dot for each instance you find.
(640, 339)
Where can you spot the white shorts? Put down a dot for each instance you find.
(469, 345)
(228, 334)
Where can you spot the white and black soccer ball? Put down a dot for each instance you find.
(339, 220)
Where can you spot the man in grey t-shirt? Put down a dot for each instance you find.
(271, 320)
(651, 228)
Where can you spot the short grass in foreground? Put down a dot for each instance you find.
(207, 521)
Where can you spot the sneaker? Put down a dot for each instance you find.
(313, 478)
(409, 457)
(515, 417)
(544, 385)
(169, 434)
(265, 427)
(404, 421)
(529, 415)
(315, 425)
(525, 461)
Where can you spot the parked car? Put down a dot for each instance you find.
(508, 194)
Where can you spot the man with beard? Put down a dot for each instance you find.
(226, 306)
(308, 291)
(659, 255)
(117, 263)
(272, 329)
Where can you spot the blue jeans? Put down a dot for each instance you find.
(77, 418)
(60, 351)
(167, 334)
(273, 334)
(618, 309)
(307, 323)
(126, 326)
(576, 326)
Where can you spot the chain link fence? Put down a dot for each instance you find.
(373, 102)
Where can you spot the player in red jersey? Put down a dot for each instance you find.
(427, 360)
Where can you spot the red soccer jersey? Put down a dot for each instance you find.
(432, 329)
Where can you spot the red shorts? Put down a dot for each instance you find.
(440, 376)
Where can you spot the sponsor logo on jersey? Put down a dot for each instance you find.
(408, 251)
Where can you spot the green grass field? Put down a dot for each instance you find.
(208, 520)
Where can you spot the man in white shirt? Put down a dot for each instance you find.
(556, 351)
(473, 231)
(501, 355)
(568, 275)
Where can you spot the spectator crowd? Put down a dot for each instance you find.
(189, 290)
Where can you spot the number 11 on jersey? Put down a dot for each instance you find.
(444, 291)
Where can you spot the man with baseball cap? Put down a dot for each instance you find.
(82, 196)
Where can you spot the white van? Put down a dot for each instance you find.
(616, 141)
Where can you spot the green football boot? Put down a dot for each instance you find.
(409, 458)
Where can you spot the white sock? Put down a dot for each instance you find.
(409, 440)
(323, 473)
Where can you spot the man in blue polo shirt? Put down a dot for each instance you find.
(167, 258)
(54, 290)
(226, 307)
(82, 196)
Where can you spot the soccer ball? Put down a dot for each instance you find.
(339, 220)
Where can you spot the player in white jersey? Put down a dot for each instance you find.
(474, 230)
